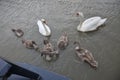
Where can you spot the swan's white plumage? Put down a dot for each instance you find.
(43, 28)
(91, 24)
(102, 21)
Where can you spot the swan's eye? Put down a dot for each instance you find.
(80, 14)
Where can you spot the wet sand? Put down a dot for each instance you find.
(60, 16)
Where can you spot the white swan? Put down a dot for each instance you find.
(43, 28)
(90, 24)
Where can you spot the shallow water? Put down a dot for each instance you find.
(60, 15)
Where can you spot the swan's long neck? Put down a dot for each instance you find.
(45, 27)
(80, 24)
(82, 19)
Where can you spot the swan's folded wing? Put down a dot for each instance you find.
(90, 24)
(43, 28)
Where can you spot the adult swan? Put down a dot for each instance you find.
(90, 24)
(43, 28)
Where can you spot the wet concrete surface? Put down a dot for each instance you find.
(60, 16)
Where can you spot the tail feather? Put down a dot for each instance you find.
(102, 21)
